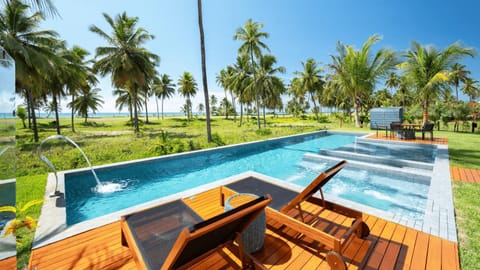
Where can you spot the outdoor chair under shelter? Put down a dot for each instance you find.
(286, 209)
(173, 236)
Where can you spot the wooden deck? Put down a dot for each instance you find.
(9, 263)
(465, 175)
(381, 136)
(389, 246)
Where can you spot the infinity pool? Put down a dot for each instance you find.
(279, 158)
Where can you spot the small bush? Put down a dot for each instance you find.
(264, 132)
(323, 118)
(217, 139)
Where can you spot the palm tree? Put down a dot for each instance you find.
(470, 88)
(252, 46)
(124, 99)
(81, 77)
(163, 88)
(88, 100)
(269, 86)
(357, 71)
(188, 89)
(201, 107)
(146, 93)
(129, 64)
(240, 78)
(204, 70)
(44, 6)
(213, 102)
(30, 48)
(427, 69)
(223, 80)
(458, 74)
(393, 81)
(311, 81)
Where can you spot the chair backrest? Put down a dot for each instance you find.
(316, 185)
(428, 126)
(212, 233)
(395, 125)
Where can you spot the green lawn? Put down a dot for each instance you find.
(108, 140)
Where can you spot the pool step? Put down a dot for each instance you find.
(409, 173)
(398, 163)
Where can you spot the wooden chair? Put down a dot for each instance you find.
(172, 236)
(284, 200)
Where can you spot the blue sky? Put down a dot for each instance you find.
(298, 30)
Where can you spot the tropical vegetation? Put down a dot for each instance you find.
(424, 80)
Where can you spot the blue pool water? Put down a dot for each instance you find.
(150, 180)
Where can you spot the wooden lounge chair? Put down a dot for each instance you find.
(172, 236)
(284, 200)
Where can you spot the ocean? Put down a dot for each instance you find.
(97, 115)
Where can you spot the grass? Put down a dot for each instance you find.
(109, 140)
(28, 188)
(467, 211)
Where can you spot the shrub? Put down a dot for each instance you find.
(217, 139)
(264, 132)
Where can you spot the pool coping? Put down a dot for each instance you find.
(52, 222)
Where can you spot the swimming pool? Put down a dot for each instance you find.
(278, 158)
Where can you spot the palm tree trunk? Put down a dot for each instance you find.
(241, 113)
(264, 117)
(314, 106)
(162, 107)
(135, 109)
(156, 101)
(425, 112)
(255, 87)
(34, 119)
(146, 110)
(29, 105)
(73, 112)
(355, 113)
(234, 109)
(57, 119)
(204, 70)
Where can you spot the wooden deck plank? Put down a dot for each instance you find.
(406, 251)
(9, 263)
(434, 253)
(393, 249)
(450, 258)
(419, 257)
(378, 252)
(389, 246)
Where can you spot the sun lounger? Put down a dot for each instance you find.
(284, 200)
(172, 236)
